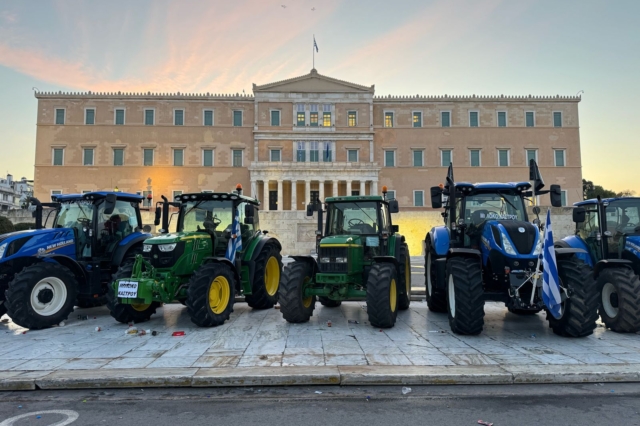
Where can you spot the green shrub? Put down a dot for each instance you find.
(24, 226)
(5, 225)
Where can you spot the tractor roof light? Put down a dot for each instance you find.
(239, 188)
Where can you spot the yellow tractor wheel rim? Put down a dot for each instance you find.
(407, 276)
(219, 294)
(140, 307)
(272, 276)
(306, 302)
(393, 295)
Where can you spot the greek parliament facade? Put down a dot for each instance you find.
(300, 139)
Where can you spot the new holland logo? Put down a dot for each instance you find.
(521, 230)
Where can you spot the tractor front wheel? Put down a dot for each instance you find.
(128, 313)
(619, 290)
(264, 289)
(294, 306)
(436, 299)
(211, 295)
(404, 296)
(41, 295)
(465, 295)
(382, 295)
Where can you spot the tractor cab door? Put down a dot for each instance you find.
(113, 227)
(589, 230)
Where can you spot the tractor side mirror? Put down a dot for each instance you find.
(310, 209)
(156, 220)
(555, 193)
(395, 228)
(110, 203)
(436, 197)
(579, 214)
(248, 220)
(393, 206)
(249, 211)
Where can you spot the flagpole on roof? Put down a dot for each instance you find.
(313, 52)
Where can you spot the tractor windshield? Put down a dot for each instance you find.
(206, 215)
(352, 218)
(75, 214)
(623, 216)
(491, 206)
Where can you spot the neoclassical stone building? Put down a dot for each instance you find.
(300, 139)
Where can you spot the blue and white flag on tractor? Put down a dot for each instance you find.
(550, 281)
(235, 242)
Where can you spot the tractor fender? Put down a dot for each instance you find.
(609, 263)
(439, 237)
(125, 245)
(310, 260)
(573, 242)
(230, 264)
(463, 252)
(251, 263)
(399, 242)
(76, 269)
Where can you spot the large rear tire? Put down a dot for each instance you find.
(267, 279)
(125, 314)
(580, 310)
(465, 295)
(211, 294)
(404, 296)
(294, 307)
(41, 295)
(619, 290)
(382, 295)
(436, 299)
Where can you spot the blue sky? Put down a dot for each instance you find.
(488, 47)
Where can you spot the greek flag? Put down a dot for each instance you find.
(315, 44)
(550, 280)
(235, 242)
(327, 151)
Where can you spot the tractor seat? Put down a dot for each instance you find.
(479, 216)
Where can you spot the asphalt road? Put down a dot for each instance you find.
(521, 405)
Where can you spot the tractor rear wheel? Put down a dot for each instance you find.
(436, 299)
(264, 289)
(465, 295)
(294, 306)
(41, 295)
(382, 295)
(404, 296)
(580, 309)
(211, 295)
(128, 313)
(619, 290)
(329, 303)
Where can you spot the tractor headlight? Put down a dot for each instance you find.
(325, 260)
(167, 247)
(538, 249)
(3, 247)
(146, 248)
(507, 245)
(341, 260)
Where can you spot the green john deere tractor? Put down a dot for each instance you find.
(217, 252)
(361, 255)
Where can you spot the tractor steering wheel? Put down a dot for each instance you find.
(355, 221)
(84, 221)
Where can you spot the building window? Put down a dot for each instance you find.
(503, 157)
(300, 119)
(313, 119)
(559, 155)
(118, 157)
(119, 117)
(391, 195)
(149, 117)
(557, 119)
(417, 119)
(530, 119)
(474, 157)
(445, 118)
(176, 193)
(207, 157)
(237, 118)
(275, 118)
(418, 198)
(352, 119)
(89, 116)
(314, 154)
(178, 157)
(56, 192)
(87, 157)
(328, 152)
(502, 119)
(178, 117)
(563, 198)
(60, 116)
(237, 158)
(532, 154)
(473, 118)
(326, 119)
(208, 117)
(418, 158)
(147, 156)
(389, 158)
(352, 155)
(445, 157)
(388, 119)
(58, 156)
(275, 155)
(301, 155)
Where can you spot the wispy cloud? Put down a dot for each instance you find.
(8, 17)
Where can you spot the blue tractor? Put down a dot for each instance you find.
(489, 251)
(609, 232)
(44, 273)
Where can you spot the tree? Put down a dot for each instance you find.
(626, 193)
(589, 190)
(6, 225)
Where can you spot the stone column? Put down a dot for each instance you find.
(349, 188)
(265, 201)
(294, 195)
(254, 188)
(307, 193)
(321, 189)
(335, 188)
(374, 187)
(280, 202)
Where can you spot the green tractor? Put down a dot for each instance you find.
(217, 252)
(361, 255)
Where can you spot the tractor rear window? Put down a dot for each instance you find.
(623, 216)
(493, 206)
(353, 218)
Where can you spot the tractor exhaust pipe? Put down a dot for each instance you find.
(37, 214)
(165, 215)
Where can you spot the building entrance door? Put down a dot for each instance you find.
(273, 200)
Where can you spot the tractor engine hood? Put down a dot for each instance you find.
(342, 240)
(513, 236)
(37, 242)
(632, 244)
